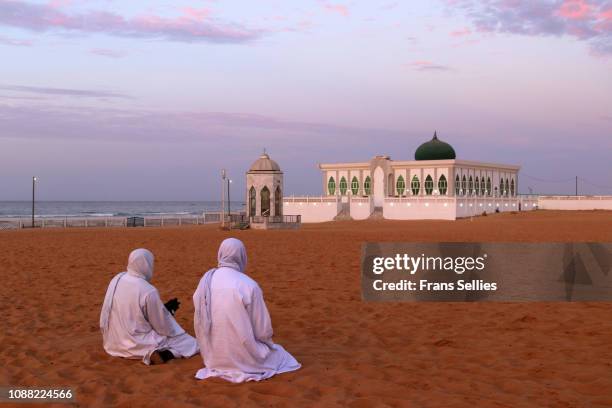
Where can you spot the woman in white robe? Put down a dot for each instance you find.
(232, 323)
(134, 321)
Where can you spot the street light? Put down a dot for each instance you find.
(34, 179)
(223, 176)
(229, 208)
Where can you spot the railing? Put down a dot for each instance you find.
(308, 199)
(100, 222)
(277, 219)
(568, 197)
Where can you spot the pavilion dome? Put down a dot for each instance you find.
(435, 149)
(264, 163)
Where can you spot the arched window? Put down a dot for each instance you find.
(501, 186)
(265, 201)
(507, 188)
(477, 185)
(415, 185)
(277, 201)
(428, 185)
(464, 185)
(442, 185)
(331, 186)
(400, 185)
(355, 186)
(457, 185)
(343, 186)
(252, 202)
(471, 186)
(512, 187)
(367, 185)
(483, 188)
(489, 186)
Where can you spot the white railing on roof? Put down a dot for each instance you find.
(310, 199)
(572, 198)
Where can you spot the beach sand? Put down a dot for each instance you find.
(353, 353)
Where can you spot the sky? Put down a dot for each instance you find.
(149, 100)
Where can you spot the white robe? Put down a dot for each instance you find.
(135, 322)
(233, 326)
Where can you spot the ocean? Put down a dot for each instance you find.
(17, 209)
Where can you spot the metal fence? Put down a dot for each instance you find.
(101, 222)
(275, 219)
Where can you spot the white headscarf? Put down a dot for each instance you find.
(140, 265)
(232, 254)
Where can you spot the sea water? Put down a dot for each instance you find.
(16, 209)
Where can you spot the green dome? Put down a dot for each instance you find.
(435, 149)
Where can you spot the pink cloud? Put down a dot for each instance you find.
(461, 33)
(337, 8)
(196, 13)
(186, 28)
(575, 9)
(585, 20)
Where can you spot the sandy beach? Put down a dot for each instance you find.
(353, 353)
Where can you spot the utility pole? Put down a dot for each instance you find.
(229, 207)
(223, 198)
(33, 197)
(576, 185)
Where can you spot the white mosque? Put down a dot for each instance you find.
(435, 185)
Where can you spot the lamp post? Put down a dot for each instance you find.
(229, 208)
(223, 198)
(33, 197)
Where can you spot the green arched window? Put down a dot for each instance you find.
(343, 186)
(477, 185)
(442, 185)
(489, 186)
(483, 188)
(471, 186)
(512, 187)
(252, 202)
(277, 201)
(428, 185)
(457, 185)
(501, 187)
(415, 185)
(507, 188)
(400, 185)
(265, 201)
(464, 186)
(367, 185)
(355, 186)
(331, 186)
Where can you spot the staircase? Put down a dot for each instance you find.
(344, 214)
(377, 214)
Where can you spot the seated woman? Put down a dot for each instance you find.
(134, 321)
(232, 323)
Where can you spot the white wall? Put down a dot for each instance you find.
(470, 207)
(312, 209)
(360, 208)
(575, 202)
(419, 209)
